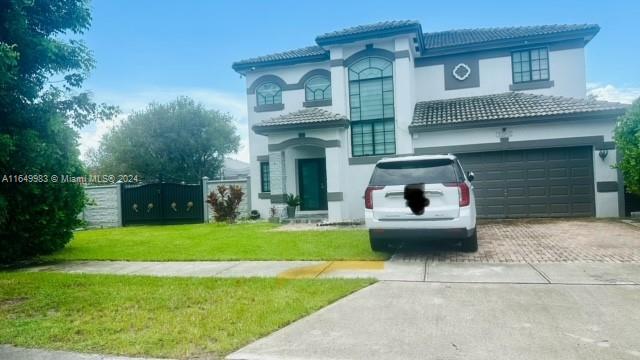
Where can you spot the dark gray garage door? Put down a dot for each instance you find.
(532, 183)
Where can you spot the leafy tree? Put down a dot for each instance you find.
(627, 138)
(181, 140)
(42, 68)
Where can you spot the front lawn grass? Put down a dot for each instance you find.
(154, 316)
(249, 241)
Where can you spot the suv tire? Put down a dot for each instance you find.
(378, 244)
(470, 244)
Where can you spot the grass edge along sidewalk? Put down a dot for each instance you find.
(154, 316)
(247, 241)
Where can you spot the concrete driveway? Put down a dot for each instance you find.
(447, 320)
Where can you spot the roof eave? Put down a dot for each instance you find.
(270, 129)
(345, 39)
(586, 34)
(244, 67)
(610, 114)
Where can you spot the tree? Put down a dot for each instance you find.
(181, 140)
(42, 68)
(627, 138)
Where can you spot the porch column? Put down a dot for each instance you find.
(335, 161)
(277, 178)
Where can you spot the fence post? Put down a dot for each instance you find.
(119, 202)
(205, 192)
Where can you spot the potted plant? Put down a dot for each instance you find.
(273, 215)
(292, 202)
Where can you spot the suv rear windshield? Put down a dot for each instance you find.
(414, 172)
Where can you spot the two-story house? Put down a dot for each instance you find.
(509, 102)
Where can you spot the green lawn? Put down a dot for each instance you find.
(154, 316)
(250, 241)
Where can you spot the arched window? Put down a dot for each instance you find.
(268, 94)
(317, 88)
(371, 105)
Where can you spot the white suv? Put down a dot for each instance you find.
(450, 212)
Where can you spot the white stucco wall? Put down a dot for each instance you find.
(103, 209)
(566, 70)
(244, 208)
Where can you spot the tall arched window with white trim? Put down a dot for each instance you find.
(268, 94)
(371, 107)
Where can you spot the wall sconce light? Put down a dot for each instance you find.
(603, 153)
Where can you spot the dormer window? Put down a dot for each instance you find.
(530, 65)
(268, 94)
(317, 88)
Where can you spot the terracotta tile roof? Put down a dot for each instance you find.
(511, 105)
(310, 117)
(369, 28)
(307, 52)
(459, 37)
(432, 41)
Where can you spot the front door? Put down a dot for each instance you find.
(312, 182)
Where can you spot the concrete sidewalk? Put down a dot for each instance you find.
(416, 271)
(412, 320)
(8, 352)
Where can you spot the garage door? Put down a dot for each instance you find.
(533, 183)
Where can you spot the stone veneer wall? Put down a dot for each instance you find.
(245, 204)
(104, 206)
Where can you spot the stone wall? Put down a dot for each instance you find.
(245, 204)
(103, 209)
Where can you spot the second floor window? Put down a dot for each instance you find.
(268, 94)
(530, 65)
(317, 88)
(371, 107)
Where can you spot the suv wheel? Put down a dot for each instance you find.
(377, 244)
(470, 244)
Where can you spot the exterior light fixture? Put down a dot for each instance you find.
(603, 153)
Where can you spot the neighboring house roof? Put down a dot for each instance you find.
(505, 108)
(432, 44)
(235, 169)
(305, 118)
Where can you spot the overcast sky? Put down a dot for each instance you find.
(150, 50)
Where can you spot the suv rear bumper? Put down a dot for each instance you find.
(420, 234)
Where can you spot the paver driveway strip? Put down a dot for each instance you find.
(409, 320)
(540, 241)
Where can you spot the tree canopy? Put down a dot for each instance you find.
(180, 140)
(42, 68)
(627, 138)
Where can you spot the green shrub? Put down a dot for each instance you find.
(225, 203)
(627, 138)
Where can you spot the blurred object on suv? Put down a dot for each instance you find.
(449, 213)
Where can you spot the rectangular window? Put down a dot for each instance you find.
(376, 137)
(265, 185)
(530, 65)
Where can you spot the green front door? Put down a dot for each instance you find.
(312, 182)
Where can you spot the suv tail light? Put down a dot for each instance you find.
(463, 192)
(368, 196)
